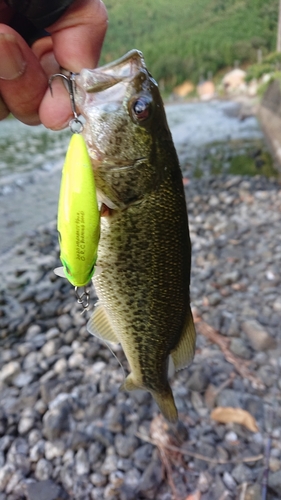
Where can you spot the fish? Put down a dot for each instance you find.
(78, 221)
(144, 251)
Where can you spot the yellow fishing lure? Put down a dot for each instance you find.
(78, 215)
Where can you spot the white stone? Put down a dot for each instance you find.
(9, 371)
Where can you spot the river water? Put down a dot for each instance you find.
(210, 138)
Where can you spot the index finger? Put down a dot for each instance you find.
(77, 41)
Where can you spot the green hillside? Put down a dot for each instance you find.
(186, 39)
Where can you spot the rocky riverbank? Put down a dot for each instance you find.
(66, 432)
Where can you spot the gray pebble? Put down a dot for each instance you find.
(64, 322)
(9, 371)
(52, 333)
(151, 478)
(98, 479)
(32, 331)
(43, 469)
(239, 348)
(43, 490)
(125, 445)
(14, 481)
(242, 474)
(198, 380)
(228, 481)
(274, 482)
(6, 473)
(142, 456)
(55, 421)
(37, 451)
(228, 397)
(51, 347)
(54, 449)
(82, 462)
(23, 379)
(258, 337)
(109, 465)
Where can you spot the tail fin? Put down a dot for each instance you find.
(166, 404)
(165, 400)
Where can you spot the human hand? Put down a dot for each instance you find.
(75, 43)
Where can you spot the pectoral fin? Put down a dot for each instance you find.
(100, 326)
(184, 352)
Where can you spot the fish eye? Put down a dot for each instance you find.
(141, 108)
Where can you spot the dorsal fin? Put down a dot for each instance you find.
(99, 325)
(183, 354)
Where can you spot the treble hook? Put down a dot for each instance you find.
(70, 81)
(83, 299)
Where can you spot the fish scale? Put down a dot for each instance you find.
(144, 249)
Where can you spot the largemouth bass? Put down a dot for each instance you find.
(144, 250)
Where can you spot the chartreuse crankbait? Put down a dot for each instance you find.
(78, 221)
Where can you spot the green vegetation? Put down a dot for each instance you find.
(189, 39)
(270, 64)
(238, 157)
(245, 165)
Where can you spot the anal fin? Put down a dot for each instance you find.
(183, 354)
(99, 325)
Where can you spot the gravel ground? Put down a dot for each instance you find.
(67, 432)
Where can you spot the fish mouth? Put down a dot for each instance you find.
(107, 76)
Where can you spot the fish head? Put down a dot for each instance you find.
(126, 131)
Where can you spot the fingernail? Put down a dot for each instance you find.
(12, 63)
